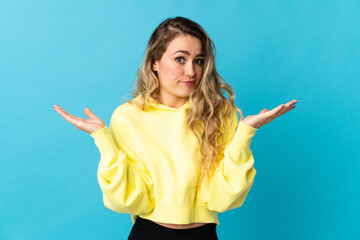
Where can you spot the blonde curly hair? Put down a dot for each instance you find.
(208, 106)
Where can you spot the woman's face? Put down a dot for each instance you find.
(179, 70)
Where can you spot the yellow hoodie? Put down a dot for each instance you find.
(146, 167)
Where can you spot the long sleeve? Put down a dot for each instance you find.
(125, 183)
(235, 174)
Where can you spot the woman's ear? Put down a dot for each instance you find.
(155, 66)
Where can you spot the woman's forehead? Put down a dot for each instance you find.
(187, 43)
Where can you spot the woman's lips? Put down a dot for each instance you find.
(188, 82)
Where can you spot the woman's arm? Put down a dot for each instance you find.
(126, 187)
(235, 174)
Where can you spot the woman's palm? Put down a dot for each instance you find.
(90, 125)
(265, 116)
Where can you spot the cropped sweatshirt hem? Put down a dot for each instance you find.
(183, 214)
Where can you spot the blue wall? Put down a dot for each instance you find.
(79, 54)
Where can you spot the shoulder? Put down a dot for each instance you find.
(125, 111)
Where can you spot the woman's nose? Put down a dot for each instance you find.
(190, 70)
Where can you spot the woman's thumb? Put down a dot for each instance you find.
(89, 113)
(264, 110)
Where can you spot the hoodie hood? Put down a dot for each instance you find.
(151, 102)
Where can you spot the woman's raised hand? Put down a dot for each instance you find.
(266, 116)
(90, 125)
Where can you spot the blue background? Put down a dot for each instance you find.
(79, 54)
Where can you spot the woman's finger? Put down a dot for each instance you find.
(68, 117)
(288, 106)
(63, 111)
(65, 115)
(276, 111)
(89, 113)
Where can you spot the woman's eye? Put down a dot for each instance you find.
(178, 59)
(197, 61)
(200, 61)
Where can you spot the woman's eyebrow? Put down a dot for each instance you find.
(187, 53)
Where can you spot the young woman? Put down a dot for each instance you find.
(176, 154)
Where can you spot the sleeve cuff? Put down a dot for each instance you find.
(246, 129)
(104, 141)
(94, 134)
(242, 139)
